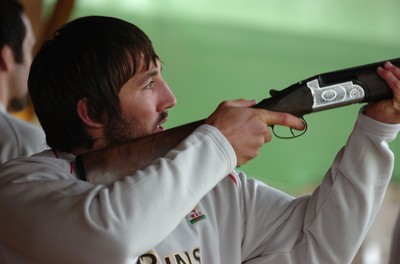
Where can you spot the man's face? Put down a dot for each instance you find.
(144, 101)
(19, 75)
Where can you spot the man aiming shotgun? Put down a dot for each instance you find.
(98, 83)
(320, 92)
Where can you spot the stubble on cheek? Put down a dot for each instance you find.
(123, 129)
(18, 104)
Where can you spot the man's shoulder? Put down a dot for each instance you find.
(20, 129)
(12, 122)
(19, 138)
(45, 164)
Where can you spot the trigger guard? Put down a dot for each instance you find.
(291, 131)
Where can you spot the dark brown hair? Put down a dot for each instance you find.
(92, 58)
(12, 28)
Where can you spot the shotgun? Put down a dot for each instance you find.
(320, 92)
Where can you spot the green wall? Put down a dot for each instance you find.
(218, 50)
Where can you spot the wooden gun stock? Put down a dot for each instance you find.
(106, 165)
(321, 92)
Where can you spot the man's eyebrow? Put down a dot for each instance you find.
(152, 72)
(148, 75)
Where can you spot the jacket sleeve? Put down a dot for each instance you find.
(329, 225)
(53, 218)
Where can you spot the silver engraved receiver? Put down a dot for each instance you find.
(335, 95)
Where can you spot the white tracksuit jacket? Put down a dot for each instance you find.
(192, 207)
(18, 138)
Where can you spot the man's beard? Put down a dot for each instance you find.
(125, 128)
(18, 104)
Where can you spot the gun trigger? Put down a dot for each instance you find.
(305, 124)
(273, 92)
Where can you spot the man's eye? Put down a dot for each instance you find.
(150, 85)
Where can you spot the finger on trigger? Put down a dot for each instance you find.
(283, 119)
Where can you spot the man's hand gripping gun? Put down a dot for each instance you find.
(324, 91)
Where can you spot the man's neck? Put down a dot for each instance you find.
(97, 144)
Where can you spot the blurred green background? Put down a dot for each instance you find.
(228, 49)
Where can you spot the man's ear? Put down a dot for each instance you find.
(82, 110)
(7, 61)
